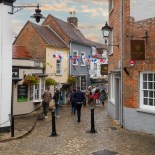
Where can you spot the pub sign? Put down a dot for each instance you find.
(104, 69)
(137, 50)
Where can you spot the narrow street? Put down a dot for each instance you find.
(72, 138)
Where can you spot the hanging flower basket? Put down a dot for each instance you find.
(71, 80)
(31, 80)
(50, 81)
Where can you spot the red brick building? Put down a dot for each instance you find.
(132, 88)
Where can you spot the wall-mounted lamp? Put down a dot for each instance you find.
(106, 31)
(37, 15)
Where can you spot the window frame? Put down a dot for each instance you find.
(111, 6)
(112, 88)
(83, 59)
(58, 67)
(39, 90)
(111, 37)
(147, 90)
(75, 60)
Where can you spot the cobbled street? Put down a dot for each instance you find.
(73, 139)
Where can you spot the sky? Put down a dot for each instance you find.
(91, 14)
(142, 9)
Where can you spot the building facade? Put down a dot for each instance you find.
(131, 99)
(5, 64)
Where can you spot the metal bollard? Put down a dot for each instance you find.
(12, 126)
(92, 130)
(53, 125)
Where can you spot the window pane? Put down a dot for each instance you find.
(150, 77)
(150, 85)
(144, 85)
(144, 77)
(145, 93)
(151, 94)
(154, 77)
(151, 102)
(145, 101)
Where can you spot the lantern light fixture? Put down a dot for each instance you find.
(106, 30)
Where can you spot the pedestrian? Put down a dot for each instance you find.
(97, 96)
(56, 98)
(87, 96)
(46, 98)
(72, 101)
(79, 99)
(103, 97)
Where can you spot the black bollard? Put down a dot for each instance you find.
(53, 125)
(92, 130)
(12, 126)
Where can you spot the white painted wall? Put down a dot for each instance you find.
(5, 64)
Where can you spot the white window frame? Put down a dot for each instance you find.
(58, 67)
(112, 88)
(111, 42)
(74, 56)
(111, 5)
(83, 62)
(147, 91)
(37, 90)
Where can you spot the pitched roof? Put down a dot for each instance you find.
(20, 52)
(49, 36)
(97, 45)
(71, 31)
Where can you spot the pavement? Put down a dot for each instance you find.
(74, 138)
(23, 125)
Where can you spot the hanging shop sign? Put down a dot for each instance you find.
(137, 50)
(22, 93)
(104, 69)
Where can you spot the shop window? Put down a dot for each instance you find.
(37, 90)
(83, 83)
(112, 87)
(147, 91)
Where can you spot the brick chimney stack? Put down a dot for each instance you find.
(73, 20)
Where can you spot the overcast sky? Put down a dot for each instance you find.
(92, 14)
(142, 9)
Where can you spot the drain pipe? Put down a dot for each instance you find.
(121, 57)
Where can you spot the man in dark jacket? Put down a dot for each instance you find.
(79, 99)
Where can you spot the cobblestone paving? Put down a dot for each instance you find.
(72, 138)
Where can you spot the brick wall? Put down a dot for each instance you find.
(29, 37)
(136, 29)
(131, 81)
(114, 22)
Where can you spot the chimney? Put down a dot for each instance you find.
(73, 20)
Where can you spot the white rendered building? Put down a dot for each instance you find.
(5, 63)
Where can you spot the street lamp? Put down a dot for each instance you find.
(37, 15)
(106, 30)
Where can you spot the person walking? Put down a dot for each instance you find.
(56, 98)
(103, 97)
(87, 96)
(79, 99)
(72, 101)
(46, 98)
